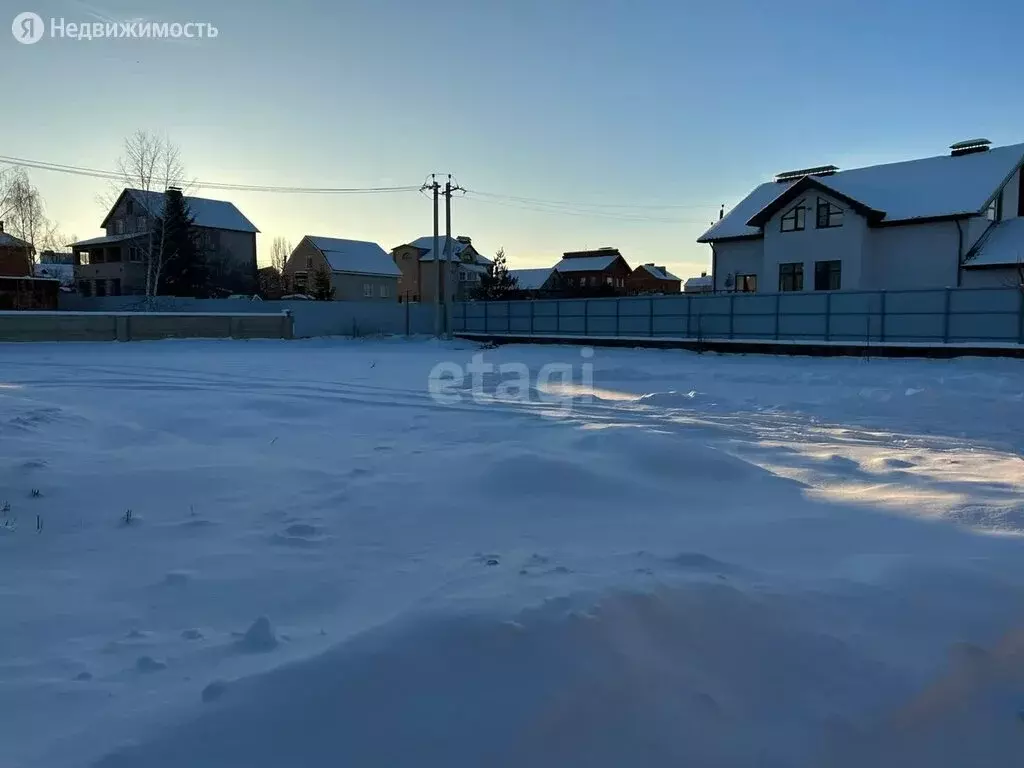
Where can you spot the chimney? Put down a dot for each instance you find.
(174, 191)
(465, 240)
(721, 212)
(969, 147)
(649, 264)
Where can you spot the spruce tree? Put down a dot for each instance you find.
(498, 284)
(322, 288)
(185, 272)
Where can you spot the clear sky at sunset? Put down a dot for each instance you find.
(642, 116)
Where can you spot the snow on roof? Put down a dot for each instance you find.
(106, 239)
(704, 281)
(427, 244)
(1003, 247)
(10, 241)
(586, 263)
(214, 214)
(531, 279)
(63, 272)
(358, 257)
(913, 189)
(659, 272)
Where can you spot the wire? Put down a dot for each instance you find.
(114, 176)
(612, 215)
(653, 206)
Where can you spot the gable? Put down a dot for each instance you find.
(211, 214)
(929, 188)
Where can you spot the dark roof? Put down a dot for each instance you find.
(211, 214)
(10, 241)
(595, 252)
(809, 184)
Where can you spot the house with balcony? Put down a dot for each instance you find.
(116, 263)
(945, 221)
(460, 261)
(601, 272)
(360, 270)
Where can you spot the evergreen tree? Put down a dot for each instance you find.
(322, 288)
(498, 284)
(185, 271)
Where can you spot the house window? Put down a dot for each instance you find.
(793, 220)
(383, 291)
(995, 208)
(119, 227)
(368, 290)
(300, 281)
(134, 254)
(85, 287)
(129, 207)
(101, 287)
(593, 281)
(791, 276)
(309, 262)
(827, 275)
(746, 283)
(609, 281)
(829, 214)
(115, 286)
(140, 224)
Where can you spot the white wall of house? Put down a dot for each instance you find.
(810, 245)
(739, 257)
(991, 277)
(913, 256)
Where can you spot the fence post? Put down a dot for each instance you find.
(881, 329)
(945, 316)
(617, 317)
(828, 316)
(1020, 317)
(778, 300)
(586, 317)
(732, 312)
(650, 317)
(532, 307)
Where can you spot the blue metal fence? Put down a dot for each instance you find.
(943, 316)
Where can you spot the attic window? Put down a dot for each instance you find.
(794, 219)
(994, 212)
(829, 214)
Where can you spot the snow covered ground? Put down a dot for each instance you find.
(706, 561)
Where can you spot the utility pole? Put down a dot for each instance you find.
(449, 292)
(433, 185)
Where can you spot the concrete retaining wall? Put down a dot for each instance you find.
(312, 318)
(132, 326)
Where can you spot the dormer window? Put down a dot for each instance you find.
(829, 214)
(794, 219)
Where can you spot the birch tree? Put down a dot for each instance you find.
(152, 164)
(23, 213)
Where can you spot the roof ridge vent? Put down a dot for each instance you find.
(969, 147)
(819, 170)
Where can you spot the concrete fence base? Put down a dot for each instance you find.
(139, 326)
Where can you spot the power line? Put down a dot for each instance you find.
(115, 176)
(652, 206)
(594, 214)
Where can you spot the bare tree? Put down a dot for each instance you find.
(152, 164)
(280, 250)
(23, 213)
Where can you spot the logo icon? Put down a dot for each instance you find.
(28, 27)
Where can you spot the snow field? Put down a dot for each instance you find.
(712, 560)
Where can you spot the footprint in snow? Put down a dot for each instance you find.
(149, 664)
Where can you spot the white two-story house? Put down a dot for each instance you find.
(947, 221)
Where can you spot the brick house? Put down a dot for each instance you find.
(602, 272)
(15, 255)
(651, 279)
(360, 270)
(419, 268)
(114, 264)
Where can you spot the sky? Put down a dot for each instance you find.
(638, 119)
